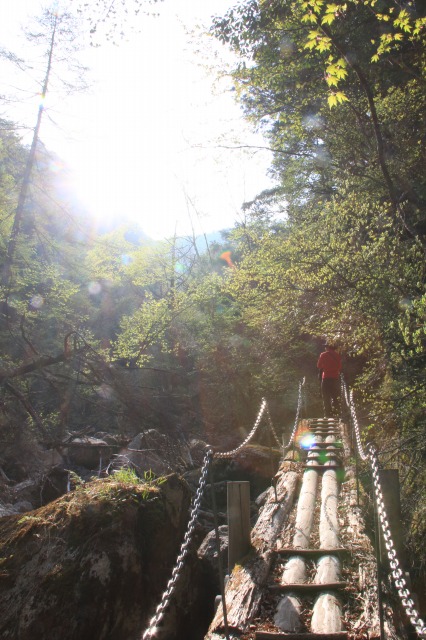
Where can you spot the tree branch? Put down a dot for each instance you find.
(28, 407)
(35, 365)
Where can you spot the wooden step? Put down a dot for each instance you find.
(313, 437)
(276, 635)
(322, 445)
(316, 446)
(308, 587)
(332, 426)
(325, 446)
(311, 553)
(324, 455)
(316, 453)
(327, 432)
(322, 467)
(320, 427)
(332, 457)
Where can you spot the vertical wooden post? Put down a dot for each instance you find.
(238, 521)
(219, 556)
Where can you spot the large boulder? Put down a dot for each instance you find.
(9, 509)
(93, 564)
(27, 460)
(89, 452)
(208, 553)
(152, 451)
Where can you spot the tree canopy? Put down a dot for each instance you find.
(117, 332)
(338, 90)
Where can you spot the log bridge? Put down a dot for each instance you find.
(290, 584)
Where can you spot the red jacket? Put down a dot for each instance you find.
(330, 363)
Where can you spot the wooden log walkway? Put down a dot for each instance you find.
(297, 557)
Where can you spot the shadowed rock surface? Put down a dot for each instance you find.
(93, 563)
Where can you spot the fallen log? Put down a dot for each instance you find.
(246, 583)
(287, 616)
(306, 509)
(327, 610)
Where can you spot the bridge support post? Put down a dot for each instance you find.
(238, 494)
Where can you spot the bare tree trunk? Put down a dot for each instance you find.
(23, 193)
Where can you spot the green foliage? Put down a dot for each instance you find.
(107, 259)
(146, 486)
(402, 27)
(145, 327)
(76, 482)
(160, 334)
(126, 475)
(347, 260)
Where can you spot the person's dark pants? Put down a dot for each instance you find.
(330, 391)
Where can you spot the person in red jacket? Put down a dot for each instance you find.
(329, 366)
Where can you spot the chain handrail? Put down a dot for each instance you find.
(264, 409)
(230, 454)
(396, 571)
(155, 621)
(349, 399)
(296, 420)
(272, 428)
(361, 451)
(372, 456)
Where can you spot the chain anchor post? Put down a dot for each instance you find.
(219, 556)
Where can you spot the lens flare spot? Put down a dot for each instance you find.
(287, 47)
(226, 256)
(340, 474)
(322, 457)
(405, 303)
(94, 288)
(306, 440)
(126, 259)
(37, 301)
(313, 121)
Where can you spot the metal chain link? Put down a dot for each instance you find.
(155, 621)
(344, 389)
(349, 398)
(272, 428)
(396, 571)
(296, 421)
(230, 454)
(152, 630)
(264, 408)
(397, 574)
(361, 451)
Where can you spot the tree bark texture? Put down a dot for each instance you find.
(245, 585)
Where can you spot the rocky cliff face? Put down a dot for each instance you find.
(91, 564)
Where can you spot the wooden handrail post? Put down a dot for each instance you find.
(238, 521)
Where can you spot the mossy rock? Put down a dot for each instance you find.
(93, 563)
